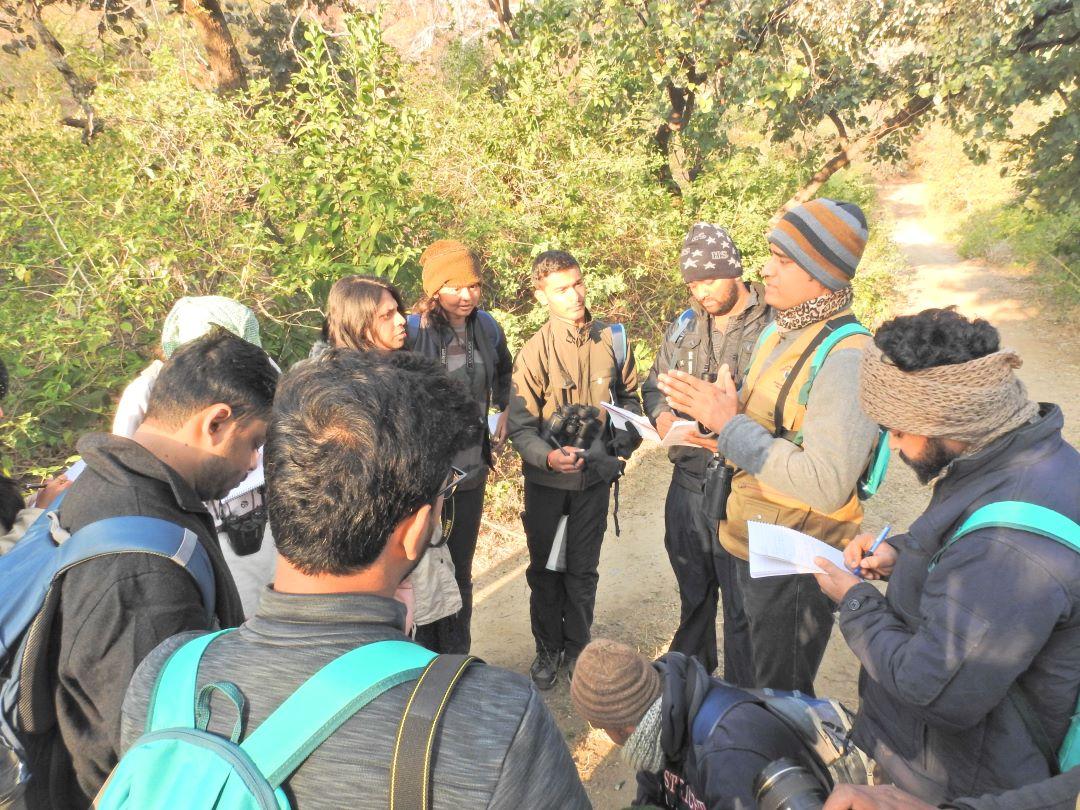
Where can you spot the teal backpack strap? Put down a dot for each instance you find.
(872, 477)
(766, 333)
(172, 704)
(1027, 517)
(823, 349)
(326, 700)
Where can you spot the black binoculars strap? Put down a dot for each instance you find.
(410, 772)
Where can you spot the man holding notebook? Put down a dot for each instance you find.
(725, 317)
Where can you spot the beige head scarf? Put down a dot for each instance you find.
(973, 402)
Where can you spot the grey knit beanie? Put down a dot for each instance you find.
(708, 252)
(613, 684)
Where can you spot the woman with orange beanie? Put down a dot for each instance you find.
(450, 327)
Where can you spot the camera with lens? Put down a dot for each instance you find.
(716, 487)
(574, 426)
(787, 785)
(243, 519)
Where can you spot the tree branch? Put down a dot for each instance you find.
(503, 14)
(213, 30)
(1032, 47)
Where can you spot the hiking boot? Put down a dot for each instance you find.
(545, 669)
(570, 664)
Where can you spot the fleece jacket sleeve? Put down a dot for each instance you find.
(538, 770)
(115, 611)
(988, 608)
(837, 440)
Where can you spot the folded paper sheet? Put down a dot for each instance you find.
(677, 434)
(777, 551)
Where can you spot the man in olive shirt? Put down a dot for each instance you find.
(571, 360)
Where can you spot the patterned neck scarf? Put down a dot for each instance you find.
(642, 749)
(814, 310)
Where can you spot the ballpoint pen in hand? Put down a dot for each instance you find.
(874, 547)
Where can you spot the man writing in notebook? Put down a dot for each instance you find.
(358, 464)
(971, 669)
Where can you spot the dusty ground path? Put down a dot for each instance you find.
(637, 600)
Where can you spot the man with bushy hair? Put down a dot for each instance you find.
(358, 465)
(970, 669)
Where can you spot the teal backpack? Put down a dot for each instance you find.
(178, 764)
(1029, 517)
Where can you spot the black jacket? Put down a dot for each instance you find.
(113, 611)
(700, 350)
(719, 774)
(941, 649)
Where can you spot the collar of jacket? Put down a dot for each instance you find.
(969, 478)
(114, 458)
(570, 332)
(685, 683)
(294, 615)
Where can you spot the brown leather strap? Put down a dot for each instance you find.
(410, 773)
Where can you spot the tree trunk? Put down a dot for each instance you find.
(81, 88)
(225, 61)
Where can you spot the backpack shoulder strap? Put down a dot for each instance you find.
(147, 535)
(829, 329)
(410, 773)
(490, 327)
(841, 332)
(326, 700)
(412, 326)
(1027, 517)
(682, 323)
(618, 345)
(720, 700)
(172, 703)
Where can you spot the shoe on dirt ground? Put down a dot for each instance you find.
(545, 669)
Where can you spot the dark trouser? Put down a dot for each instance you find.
(453, 634)
(790, 623)
(561, 604)
(703, 568)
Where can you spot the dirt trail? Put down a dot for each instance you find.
(637, 600)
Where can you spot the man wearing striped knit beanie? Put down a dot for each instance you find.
(794, 431)
(650, 709)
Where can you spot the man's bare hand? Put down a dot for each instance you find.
(566, 460)
(711, 404)
(877, 566)
(835, 582)
(664, 422)
(498, 439)
(52, 489)
(861, 797)
(708, 442)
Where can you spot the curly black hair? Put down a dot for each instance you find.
(935, 337)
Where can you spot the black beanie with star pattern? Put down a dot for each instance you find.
(708, 253)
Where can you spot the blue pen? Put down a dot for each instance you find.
(874, 547)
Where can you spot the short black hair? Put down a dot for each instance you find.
(3, 380)
(551, 261)
(935, 337)
(358, 442)
(11, 502)
(217, 367)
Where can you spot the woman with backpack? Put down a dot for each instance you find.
(450, 327)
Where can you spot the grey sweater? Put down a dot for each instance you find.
(837, 437)
(498, 745)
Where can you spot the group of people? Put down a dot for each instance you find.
(330, 514)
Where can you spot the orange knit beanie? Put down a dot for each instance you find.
(448, 263)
